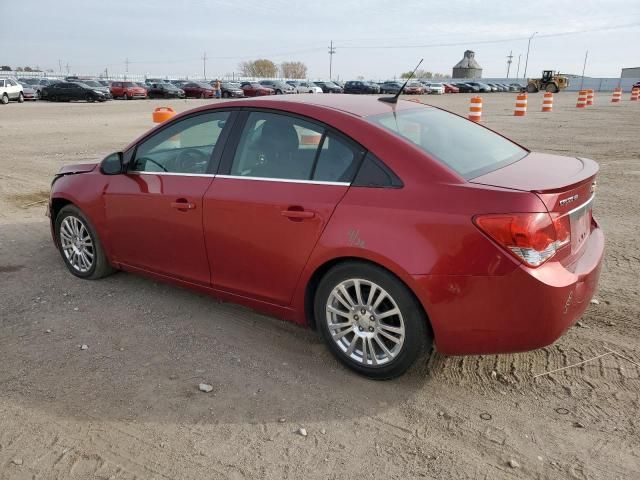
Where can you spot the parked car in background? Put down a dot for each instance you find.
(76, 90)
(449, 235)
(164, 90)
(95, 85)
(44, 82)
(278, 86)
(482, 87)
(198, 90)
(178, 83)
(466, 88)
(127, 90)
(329, 87)
(254, 89)
(450, 88)
(27, 81)
(338, 83)
(392, 87)
(435, 88)
(231, 90)
(414, 88)
(105, 83)
(10, 89)
(360, 87)
(29, 92)
(304, 86)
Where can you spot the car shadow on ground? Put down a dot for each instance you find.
(149, 346)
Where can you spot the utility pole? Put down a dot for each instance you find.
(526, 62)
(509, 60)
(204, 65)
(126, 67)
(584, 66)
(332, 52)
(68, 70)
(518, 73)
(60, 66)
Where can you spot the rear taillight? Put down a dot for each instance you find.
(532, 238)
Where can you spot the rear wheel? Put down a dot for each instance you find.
(4, 99)
(370, 320)
(79, 245)
(20, 98)
(552, 87)
(125, 96)
(225, 94)
(89, 98)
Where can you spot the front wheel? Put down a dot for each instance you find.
(370, 320)
(21, 98)
(79, 245)
(125, 96)
(532, 88)
(89, 98)
(552, 88)
(4, 99)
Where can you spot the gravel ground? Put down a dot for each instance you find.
(128, 406)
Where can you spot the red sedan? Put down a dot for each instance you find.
(448, 88)
(254, 89)
(387, 227)
(198, 90)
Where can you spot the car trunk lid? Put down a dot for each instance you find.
(566, 186)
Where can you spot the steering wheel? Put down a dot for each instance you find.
(191, 160)
(147, 159)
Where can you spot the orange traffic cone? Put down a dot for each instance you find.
(547, 102)
(582, 99)
(635, 93)
(521, 105)
(590, 96)
(475, 109)
(617, 95)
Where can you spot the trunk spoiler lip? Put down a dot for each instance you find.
(587, 173)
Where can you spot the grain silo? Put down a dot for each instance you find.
(467, 67)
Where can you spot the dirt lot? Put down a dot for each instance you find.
(129, 406)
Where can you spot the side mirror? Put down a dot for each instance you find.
(112, 164)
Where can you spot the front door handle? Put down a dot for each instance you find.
(182, 204)
(298, 214)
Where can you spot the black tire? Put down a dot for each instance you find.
(278, 92)
(21, 98)
(417, 332)
(89, 98)
(54, 98)
(100, 267)
(552, 88)
(166, 95)
(225, 94)
(5, 99)
(125, 96)
(532, 88)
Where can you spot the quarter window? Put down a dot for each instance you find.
(184, 147)
(289, 148)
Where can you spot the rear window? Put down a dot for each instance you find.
(467, 148)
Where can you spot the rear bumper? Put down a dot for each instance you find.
(524, 310)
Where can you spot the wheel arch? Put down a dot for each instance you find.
(57, 204)
(315, 278)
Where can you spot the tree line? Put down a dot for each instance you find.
(266, 68)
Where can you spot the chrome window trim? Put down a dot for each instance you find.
(285, 180)
(171, 174)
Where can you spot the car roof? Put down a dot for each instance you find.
(358, 105)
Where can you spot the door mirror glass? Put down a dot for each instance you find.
(112, 164)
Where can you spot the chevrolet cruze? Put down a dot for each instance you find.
(389, 227)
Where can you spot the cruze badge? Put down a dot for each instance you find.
(568, 200)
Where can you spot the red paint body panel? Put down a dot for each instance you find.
(254, 249)
(236, 243)
(148, 233)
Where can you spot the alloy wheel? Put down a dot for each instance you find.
(77, 244)
(365, 322)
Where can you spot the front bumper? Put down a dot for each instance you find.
(527, 309)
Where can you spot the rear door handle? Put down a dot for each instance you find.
(298, 214)
(183, 205)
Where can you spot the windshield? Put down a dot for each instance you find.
(465, 147)
(92, 83)
(128, 84)
(231, 85)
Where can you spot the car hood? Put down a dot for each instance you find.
(540, 172)
(77, 168)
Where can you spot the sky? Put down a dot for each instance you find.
(375, 39)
